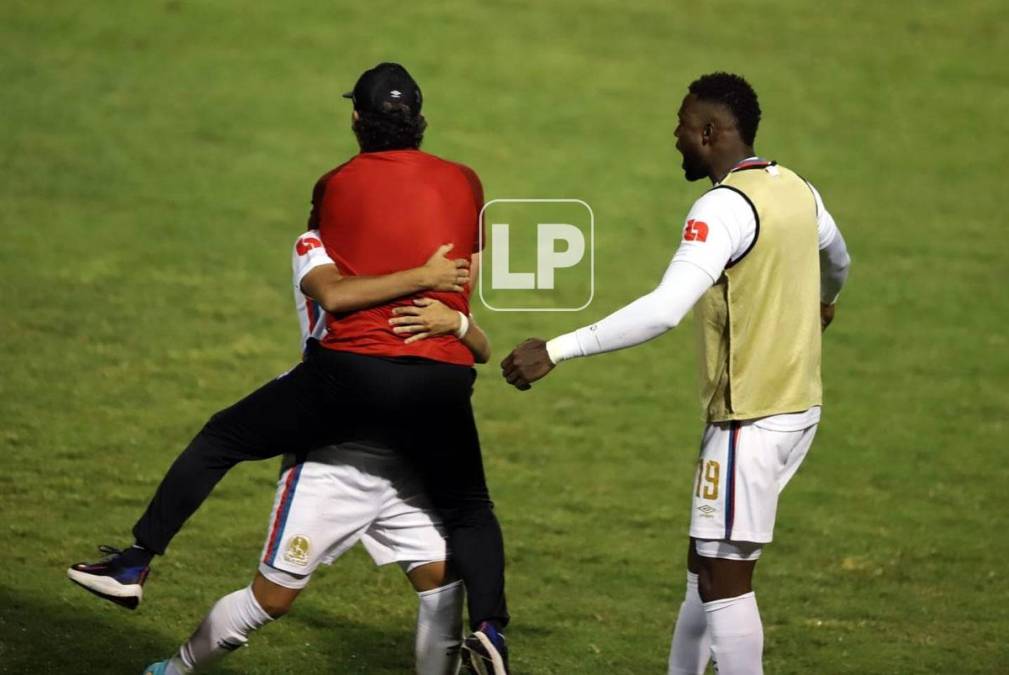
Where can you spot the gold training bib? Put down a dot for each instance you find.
(759, 325)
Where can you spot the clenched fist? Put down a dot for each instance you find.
(527, 363)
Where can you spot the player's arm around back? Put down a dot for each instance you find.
(429, 318)
(472, 335)
(336, 293)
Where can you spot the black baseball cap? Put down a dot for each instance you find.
(385, 83)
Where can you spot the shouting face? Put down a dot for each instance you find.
(693, 133)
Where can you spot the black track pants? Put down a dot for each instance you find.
(419, 408)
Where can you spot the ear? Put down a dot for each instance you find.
(355, 116)
(708, 133)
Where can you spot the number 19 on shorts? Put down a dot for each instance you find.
(706, 481)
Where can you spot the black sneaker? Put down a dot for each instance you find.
(115, 577)
(484, 652)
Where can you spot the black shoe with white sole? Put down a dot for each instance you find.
(484, 652)
(117, 577)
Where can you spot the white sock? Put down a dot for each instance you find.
(225, 629)
(691, 646)
(439, 630)
(737, 636)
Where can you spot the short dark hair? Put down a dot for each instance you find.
(393, 129)
(736, 94)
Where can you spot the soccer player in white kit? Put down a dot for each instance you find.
(336, 497)
(762, 263)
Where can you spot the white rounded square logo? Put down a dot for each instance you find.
(537, 255)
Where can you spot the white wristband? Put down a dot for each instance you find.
(463, 326)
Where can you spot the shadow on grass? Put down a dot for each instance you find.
(46, 635)
(351, 646)
(43, 635)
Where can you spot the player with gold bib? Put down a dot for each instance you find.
(761, 263)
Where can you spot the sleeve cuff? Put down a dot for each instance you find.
(311, 264)
(563, 348)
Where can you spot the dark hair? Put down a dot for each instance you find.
(396, 128)
(736, 94)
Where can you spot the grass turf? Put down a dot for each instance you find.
(157, 160)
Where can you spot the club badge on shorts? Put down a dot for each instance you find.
(297, 550)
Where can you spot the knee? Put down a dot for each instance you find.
(217, 426)
(705, 584)
(215, 445)
(719, 579)
(274, 599)
(430, 576)
(276, 607)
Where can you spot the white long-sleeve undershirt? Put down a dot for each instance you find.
(695, 267)
(646, 318)
(834, 265)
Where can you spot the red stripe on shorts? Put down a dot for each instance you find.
(278, 517)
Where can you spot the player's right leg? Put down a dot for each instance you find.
(439, 617)
(407, 531)
(725, 583)
(287, 414)
(690, 650)
(422, 409)
(451, 466)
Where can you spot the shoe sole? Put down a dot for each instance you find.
(124, 595)
(473, 663)
(478, 662)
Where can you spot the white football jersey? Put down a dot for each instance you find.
(308, 254)
(731, 229)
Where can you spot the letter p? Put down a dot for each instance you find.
(548, 259)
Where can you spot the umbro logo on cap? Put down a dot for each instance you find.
(385, 87)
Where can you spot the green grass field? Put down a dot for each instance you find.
(157, 162)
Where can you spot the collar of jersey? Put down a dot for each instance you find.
(752, 163)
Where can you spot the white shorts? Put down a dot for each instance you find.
(340, 496)
(740, 471)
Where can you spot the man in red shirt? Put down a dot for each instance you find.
(384, 211)
(379, 214)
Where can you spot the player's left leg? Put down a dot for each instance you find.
(316, 516)
(230, 622)
(289, 412)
